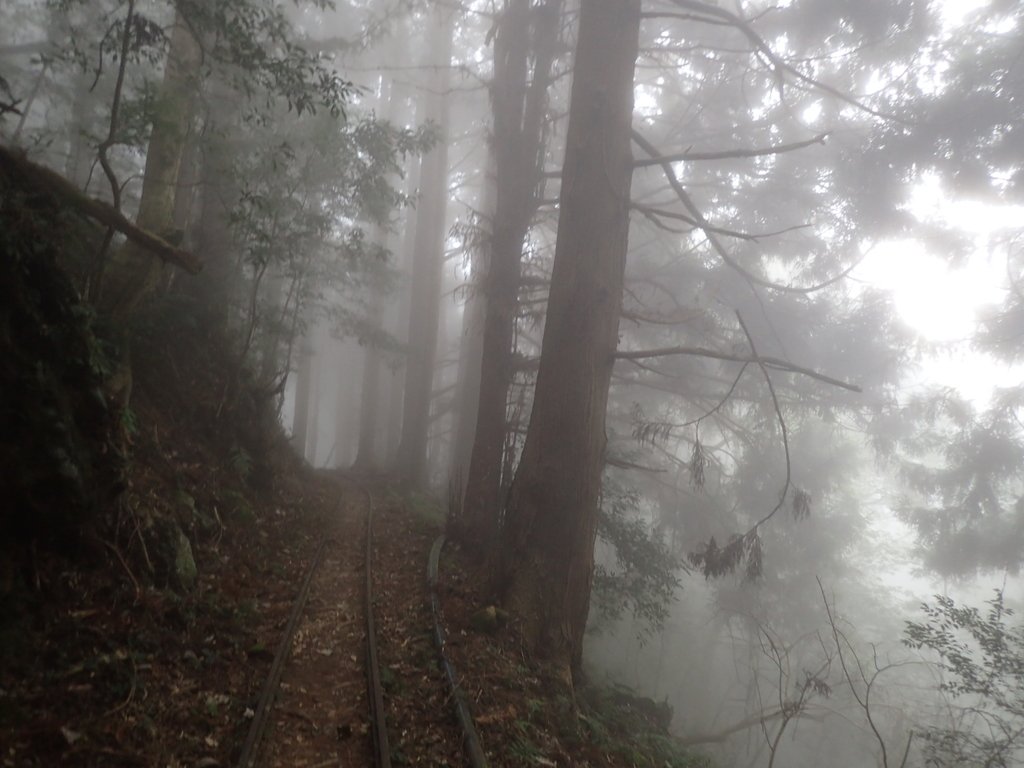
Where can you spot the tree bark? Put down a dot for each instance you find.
(547, 550)
(427, 267)
(519, 107)
(218, 290)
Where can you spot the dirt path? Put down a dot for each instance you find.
(320, 716)
(421, 720)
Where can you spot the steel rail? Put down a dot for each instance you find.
(270, 687)
(375, 693)
(474, 749)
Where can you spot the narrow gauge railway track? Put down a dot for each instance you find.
(251, 754)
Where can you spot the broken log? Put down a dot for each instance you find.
(52, 182)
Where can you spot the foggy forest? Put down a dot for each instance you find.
(511, 383)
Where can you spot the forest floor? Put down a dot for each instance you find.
(109, 676)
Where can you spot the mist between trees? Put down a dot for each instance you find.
(588, 268)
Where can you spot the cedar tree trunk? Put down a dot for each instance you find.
(519, 108)
(547, 550)
(427, 267)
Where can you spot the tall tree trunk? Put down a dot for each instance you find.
(303, 387)
(348, 402)
(369, 396)
(427, 265)
(368, 454)
(400, 322)
(547, 553)
(215, 291)
(519, 110)
(313, 428)
(135, 272)
(271, 325)
(471, 347)
(188, 183)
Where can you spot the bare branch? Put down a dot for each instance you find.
(770, 362)
(709, 231)
(623, 464)
(778, 65)
(730, 154)
(652, 213)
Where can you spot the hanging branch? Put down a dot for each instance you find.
(646, 431)
(57, 185)
(782, 426)
(716, 561)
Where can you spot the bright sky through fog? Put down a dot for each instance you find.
(943, 303)
(940, 302)
(954, 11)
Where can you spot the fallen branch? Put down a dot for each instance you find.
(57, 185)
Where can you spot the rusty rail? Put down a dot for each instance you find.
(247, 758)
(375, 693)
(471, 740)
